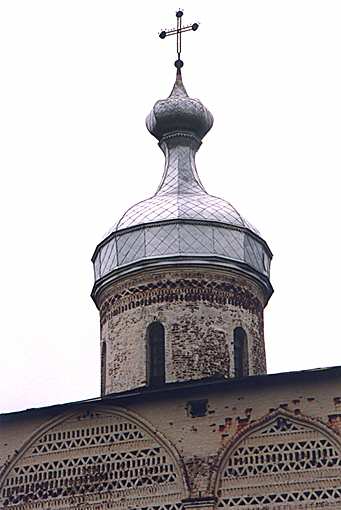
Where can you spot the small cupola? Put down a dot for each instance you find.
(179, 114)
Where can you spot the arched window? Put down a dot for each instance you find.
(241, 359)
(103, 367)
(156, 354)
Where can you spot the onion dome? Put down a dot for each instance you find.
(179, 113)
(181, 223)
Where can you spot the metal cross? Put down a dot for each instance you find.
(179, 30)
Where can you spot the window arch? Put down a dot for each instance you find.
(103, 367)
(156, 354)
(241, 358)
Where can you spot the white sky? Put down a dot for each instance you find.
(77, 78)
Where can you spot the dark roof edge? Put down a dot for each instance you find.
(179, 387)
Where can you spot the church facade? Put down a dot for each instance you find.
(188, 417)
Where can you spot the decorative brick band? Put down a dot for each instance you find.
(182, 290)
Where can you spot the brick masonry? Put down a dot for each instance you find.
(200, 446)
(199, 311)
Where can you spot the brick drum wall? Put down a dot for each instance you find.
(199, 311)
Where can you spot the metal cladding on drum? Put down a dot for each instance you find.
(181, 223)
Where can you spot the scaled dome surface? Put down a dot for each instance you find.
(181, 223)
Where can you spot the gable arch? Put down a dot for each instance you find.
(98, 455)
(279, 460)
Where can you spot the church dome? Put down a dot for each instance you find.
(179, 113)
(181, 223)
(173, 206)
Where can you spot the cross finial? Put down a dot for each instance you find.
(179, 30)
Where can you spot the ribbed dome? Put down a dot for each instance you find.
(179, 113)
(181, 221)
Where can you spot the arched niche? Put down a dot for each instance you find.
(104, 458)
(280, 461)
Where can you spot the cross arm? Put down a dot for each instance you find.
(173, 31)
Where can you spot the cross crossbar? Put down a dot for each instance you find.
(178, 31)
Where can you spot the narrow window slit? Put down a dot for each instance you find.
(241, 359)
(156, 354)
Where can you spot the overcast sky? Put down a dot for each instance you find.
(77, 78)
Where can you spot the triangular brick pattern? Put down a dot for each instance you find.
(97, 459)
(284, 465)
